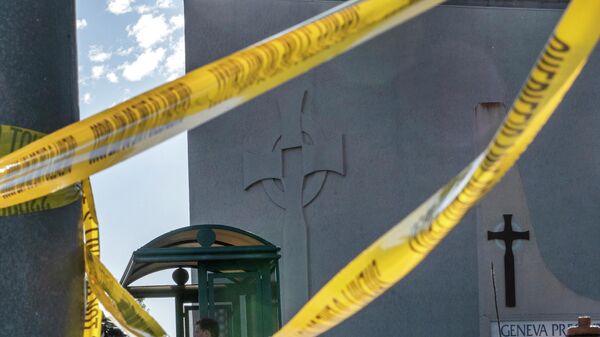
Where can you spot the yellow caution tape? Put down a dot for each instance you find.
(13, 138)
(92, 326)
(103, 287)
(118, 301)
(81, 149)
(402, 248)
(100, 141)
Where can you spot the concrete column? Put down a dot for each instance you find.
(41, 262)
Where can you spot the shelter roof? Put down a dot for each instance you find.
(187, 246)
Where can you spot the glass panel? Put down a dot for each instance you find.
(191, 315)
(235, 300)
(223, 315)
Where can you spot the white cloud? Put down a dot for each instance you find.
(176, 22)
(164, 3)
(149, 30)
(82, 79)
(98, 71)
(124, 52)
(96, 54)
(87, 98)
(159, 5)
(112, 77)
(81, 24)
(175, 63)
(144, 65)
(119, 6)
(142, 9)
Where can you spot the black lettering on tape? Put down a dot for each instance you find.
(139, 121)
(363, 287)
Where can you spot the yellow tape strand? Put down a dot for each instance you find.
(92, 326)
(402, 248)
(81, 149)
(89, 146)
(13, 138)
(104, 288)
(118, 302)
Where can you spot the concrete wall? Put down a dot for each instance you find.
(404, 105)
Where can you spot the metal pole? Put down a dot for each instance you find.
(179, 314)
(41, 263)
(202, 291)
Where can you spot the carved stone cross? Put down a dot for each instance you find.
(292, 173)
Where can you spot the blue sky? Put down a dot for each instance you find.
(126, 47)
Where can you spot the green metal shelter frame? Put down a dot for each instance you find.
(237, 274)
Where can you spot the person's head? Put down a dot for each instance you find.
(207, 327)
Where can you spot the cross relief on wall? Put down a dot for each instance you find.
(292, 172)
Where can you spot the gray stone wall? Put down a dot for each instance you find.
(404, 105)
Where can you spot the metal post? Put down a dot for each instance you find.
(202, 291)
(41, 260)
(180, 276)
(179, 318)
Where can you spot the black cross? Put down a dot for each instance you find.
(508, 236)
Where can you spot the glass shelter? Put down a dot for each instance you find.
(236, 283)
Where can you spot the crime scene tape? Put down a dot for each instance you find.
(13, 138)
(92, 326)
(73, 153)
(98, 142)
(118, 301)
(401, 249)
(104, 288)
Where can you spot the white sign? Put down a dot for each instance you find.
(531, 328)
